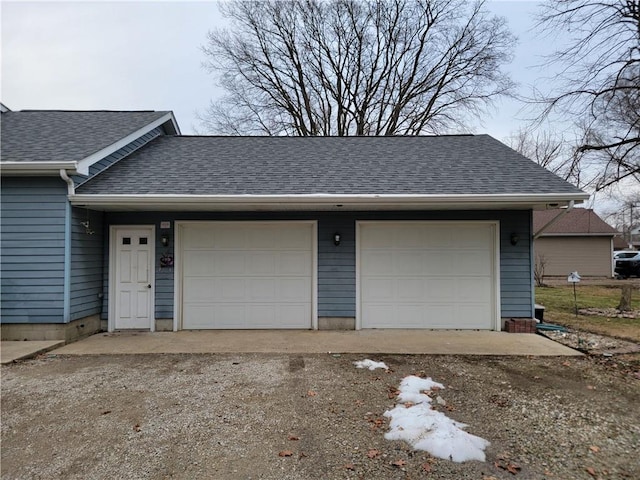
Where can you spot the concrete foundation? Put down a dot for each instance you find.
(164, 324)
(68, 332)
(336, 323)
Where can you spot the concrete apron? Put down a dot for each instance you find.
(448, 342)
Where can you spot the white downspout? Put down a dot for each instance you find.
(554, 219)
(66, 308)
(71, 189)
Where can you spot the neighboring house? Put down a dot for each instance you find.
(579, 240)
(113, 220)
(619, 243)
(635, 238)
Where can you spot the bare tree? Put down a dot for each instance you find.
(626, 215)
(538, 270)
(599, 85)
(350, 67)
(549, 150)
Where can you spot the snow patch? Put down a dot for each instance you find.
(414, 421)
(370, 364)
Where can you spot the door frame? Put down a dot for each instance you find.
(178, 272)
(495, 264)
(113, 263)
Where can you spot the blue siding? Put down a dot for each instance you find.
(32, 250)
(336, 265)
(336, 268)
(86, 263)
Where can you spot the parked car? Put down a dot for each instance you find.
(627, 263)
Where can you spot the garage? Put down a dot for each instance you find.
(246, 275)
(434, 275)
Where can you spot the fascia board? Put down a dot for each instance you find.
(37, 168)
(526, 201)
(85, 163)
(585, 234)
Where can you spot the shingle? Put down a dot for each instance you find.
(576, 221)
(65, 136)
(458, 164)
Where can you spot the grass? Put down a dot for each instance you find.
(560, 308)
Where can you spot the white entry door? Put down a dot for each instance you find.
(132, 278)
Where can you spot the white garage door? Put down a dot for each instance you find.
(239, 275)
(427, 275)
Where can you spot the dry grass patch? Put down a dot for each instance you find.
(560, 308)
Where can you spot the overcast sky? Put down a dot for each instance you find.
(146, 56)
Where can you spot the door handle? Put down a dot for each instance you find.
(149, 286)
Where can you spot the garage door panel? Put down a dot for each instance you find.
(200, 315)
(411, 238)
(382, 238)
(290, 314)
(260, 315)
(436, 263)
(295, 263)
(376, 262)
(377, 289)
(410, 289)
(378, 315)
(473, 290)
(427, 275)
(408, 263)
(232, 237)
(471, 236)
(295, 289)
(470, 315)
(198, 238)
(438, 238)
(267, 239)
(198, 289)
(227, 263)
(440, 315)
(409, 315)
(439, 289)
(246, 275)
(197, 264)
(294, 238)
(262, 289)
(261, 263)
(473, 262)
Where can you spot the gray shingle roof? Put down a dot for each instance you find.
(458, 164)
(65, 136)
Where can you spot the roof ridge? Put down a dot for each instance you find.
(87, 111)
(334, 137)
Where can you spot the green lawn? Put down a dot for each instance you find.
(559, 308)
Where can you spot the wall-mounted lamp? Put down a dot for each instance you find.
(515, 238)
(336, 239)
(164, 240)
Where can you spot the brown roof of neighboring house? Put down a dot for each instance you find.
(578, 221)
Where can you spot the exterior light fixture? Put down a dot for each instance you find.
(164, 240)
(336, 239)
(515, 238)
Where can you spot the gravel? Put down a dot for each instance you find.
(310, 417)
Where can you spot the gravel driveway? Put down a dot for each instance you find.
(310, 417)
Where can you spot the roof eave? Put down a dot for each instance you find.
(324, 202)
(37, 168)
(582, 234)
